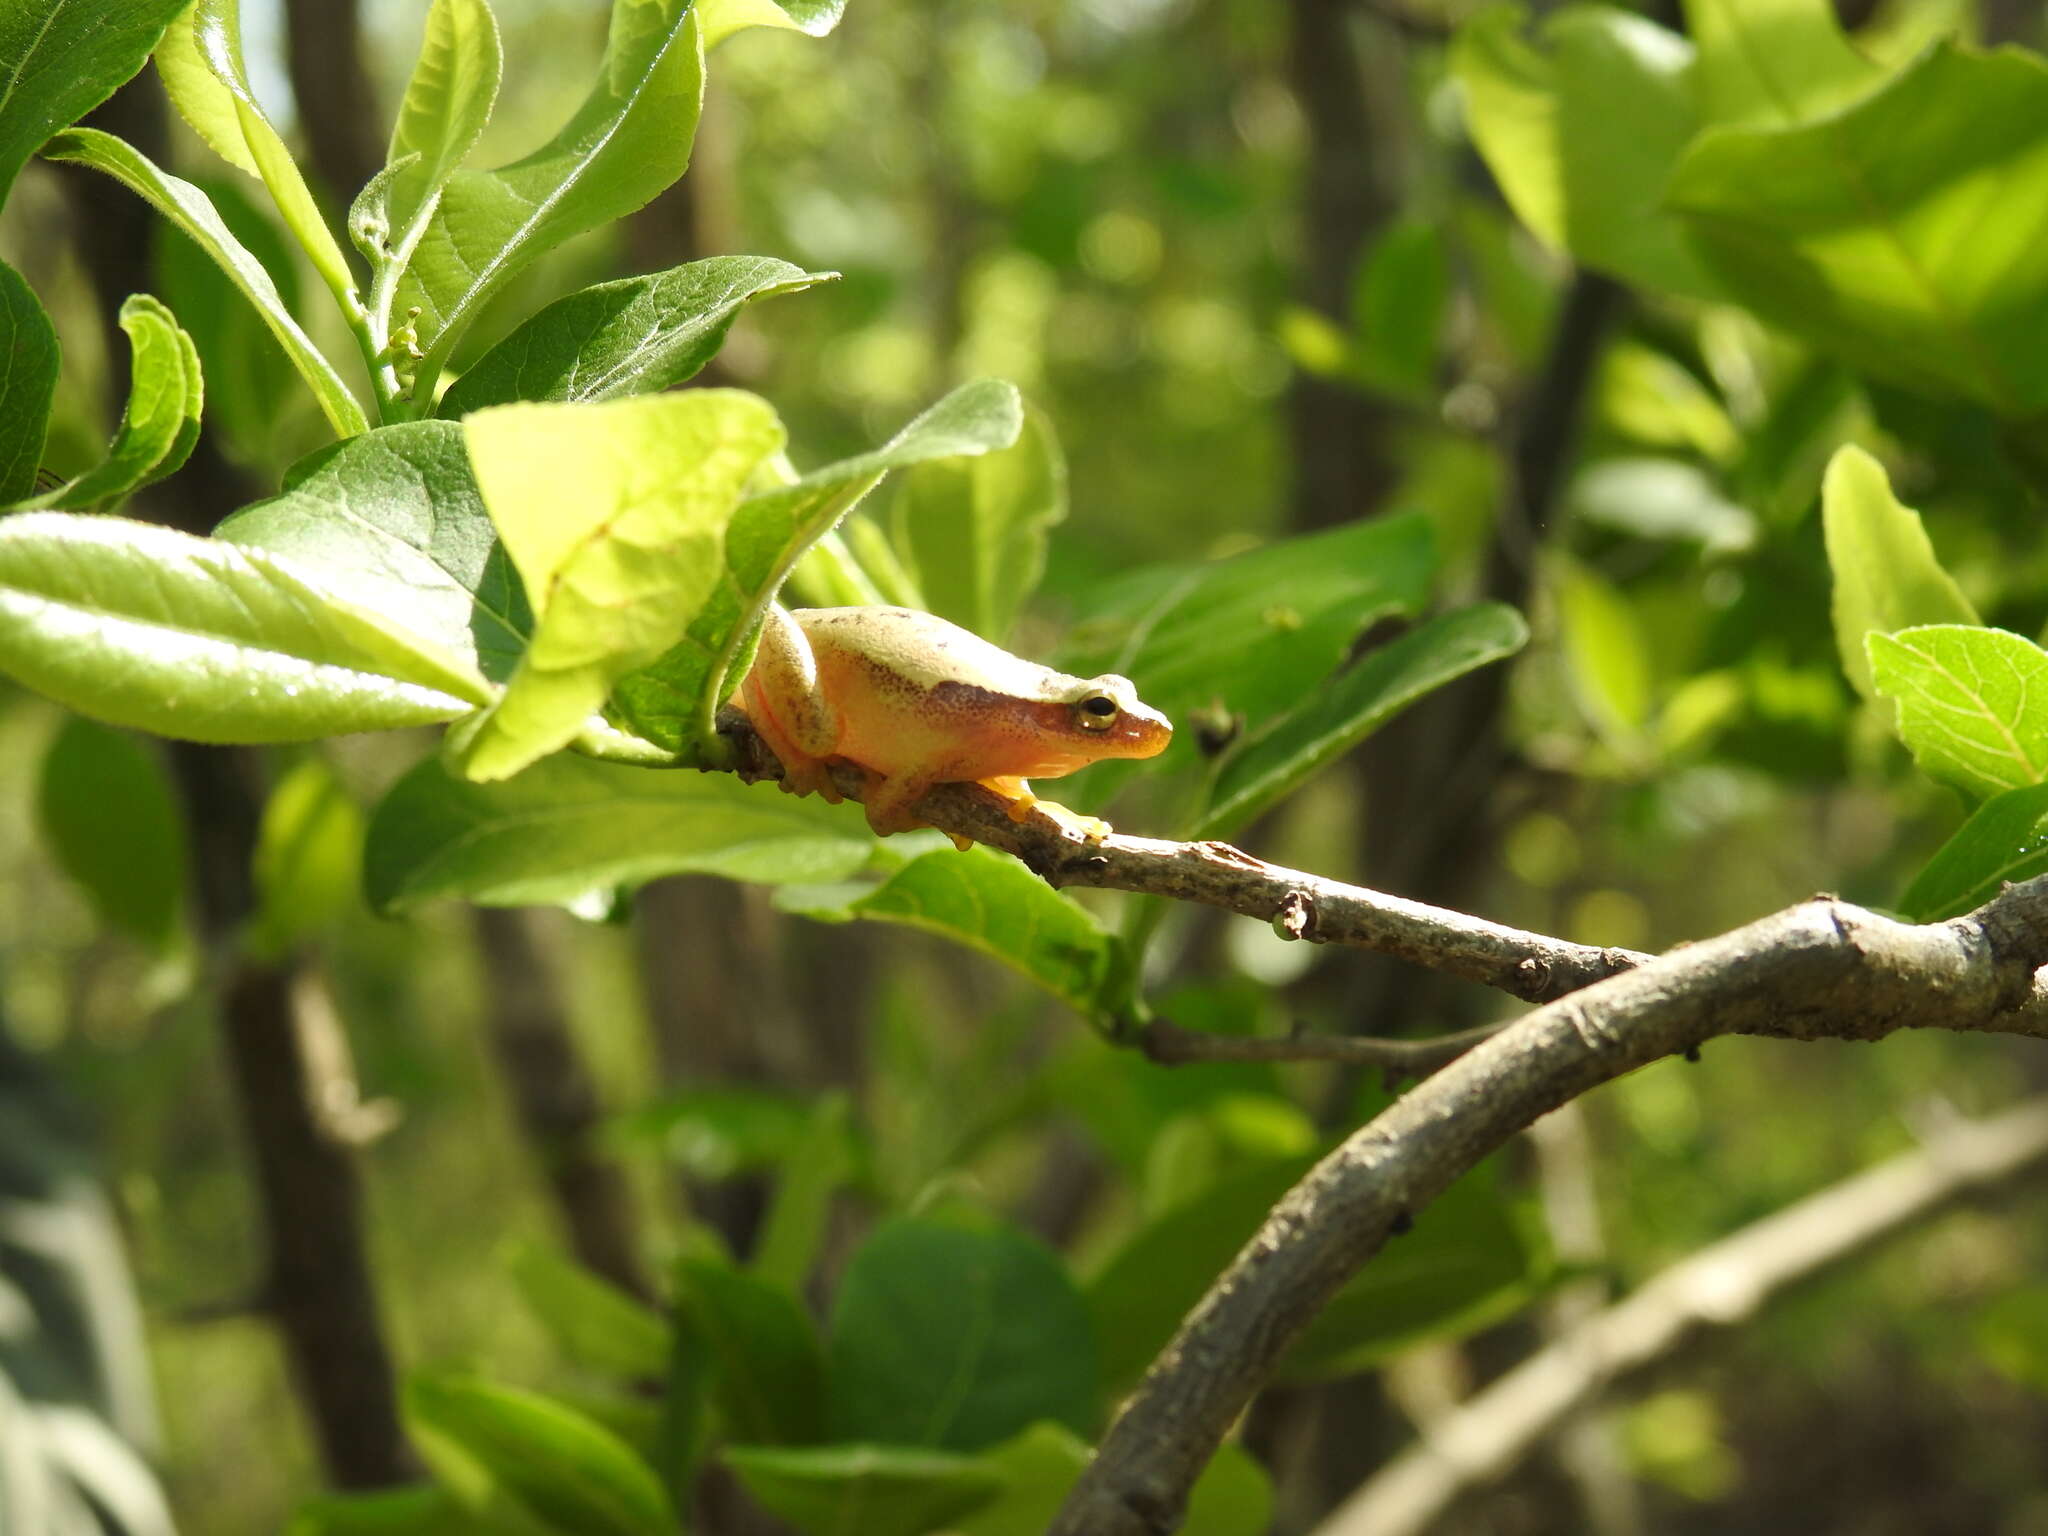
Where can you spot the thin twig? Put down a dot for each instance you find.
(1721, 1285)
(1531, 966)
(1821, 970)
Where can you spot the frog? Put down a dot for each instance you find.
(914, 700)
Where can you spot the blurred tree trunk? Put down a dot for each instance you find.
(1320, 1440)
(1428, 780)
(338, 111)
(1352, 170)
(2010, 21)
(1433, 773)
(739, 994)
(318, 1285)
(552, 1093)
(952, 230)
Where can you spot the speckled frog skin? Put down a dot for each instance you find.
(917, 701)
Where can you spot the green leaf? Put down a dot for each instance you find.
(1038, 1467)
(109, 816)
(675, 701)
(447, 105)
(1649, 396)
(629, 140)
(1398, 306)
(1973, 703)
(1462, 1265)
(1352, 705)
(632, 337)
(717, 1133)
(2006, 838)
(1606, 652)
(683, 1433)
(958, 1337)
(61, 58)
(1666, 499)
(615, 515)
(721, 18)
(188, 208)
(1468, 1262)
(990, 902)
(1897, 233)
(28, 381)
(255, 406)
(206, 104)
(593, 1323)
(569, 825)
(864, 1490)
(1259, 631)
(424, 1510)
(160, 423)
(2010, 1333)
(146, 627)
(217, 36)
(973, 530)
(768, 1372)
(1546, 125)
(393, 522)
(497, 1447)
(1232, 1497)
(794, 1228)
(1886, 575)
(1774, 61)
(1141, 1295)
(308, 867)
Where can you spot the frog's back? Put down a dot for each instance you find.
(914, 694)
(926, 650)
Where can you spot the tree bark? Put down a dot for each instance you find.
(1338, 436)
(554, 1098)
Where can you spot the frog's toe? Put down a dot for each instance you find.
(808, 777)
(1090, 829)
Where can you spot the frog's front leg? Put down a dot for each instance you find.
(1022, 802)
(1014, 792)
(789, 711)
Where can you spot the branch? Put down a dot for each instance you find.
(1821, 970)
(1723, 1284)
(1531, 966)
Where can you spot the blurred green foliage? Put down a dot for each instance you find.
(1740, 640)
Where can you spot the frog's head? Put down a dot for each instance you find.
(1110, 719)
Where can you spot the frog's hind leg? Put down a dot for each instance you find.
(782, 699)
(889, 798)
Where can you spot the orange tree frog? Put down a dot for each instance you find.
(917, 701)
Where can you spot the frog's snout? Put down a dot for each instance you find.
(1142, 731)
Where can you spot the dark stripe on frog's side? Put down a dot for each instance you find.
(977, 703)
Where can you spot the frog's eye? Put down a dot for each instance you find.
(1095, 711)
